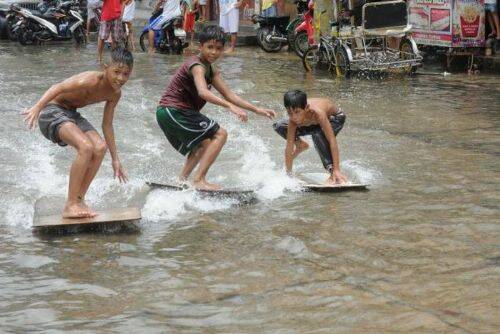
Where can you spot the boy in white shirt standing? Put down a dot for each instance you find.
(229, 17)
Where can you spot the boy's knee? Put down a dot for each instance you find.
(100, 148)
(222, 133)
(86, 148)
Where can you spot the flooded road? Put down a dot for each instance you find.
(419, 252)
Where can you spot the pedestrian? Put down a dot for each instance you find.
(269, 8)
(93, 7)
(229, 16)
(190, 10)
(203, 11)
(128, 18)
(111, 25)
(490, 7)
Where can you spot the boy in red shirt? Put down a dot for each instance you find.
(111, 23)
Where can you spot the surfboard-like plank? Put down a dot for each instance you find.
(104, 216)
(335, 187)
(224, 191)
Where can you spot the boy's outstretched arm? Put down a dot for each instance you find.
(71, 84)
(109, 136)
(198, 72)
(324, 122)
(230, 96)
(290, 146)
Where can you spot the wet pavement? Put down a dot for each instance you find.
(416, 253)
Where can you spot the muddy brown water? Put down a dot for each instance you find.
(417, 253)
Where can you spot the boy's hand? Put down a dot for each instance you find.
(31, 117)
(119, 171)
(266, 112)
(337, 178)
(240, 113)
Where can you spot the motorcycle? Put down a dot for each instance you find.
(304, 32)
(274, 32)
(171, 38)
(61, 23)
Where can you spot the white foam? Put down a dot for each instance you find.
(258, 171)
(168, 205)
(19, 214)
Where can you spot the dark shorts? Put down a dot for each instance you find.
(185, 129)
(113, 27)
(319, 139)
(53, 116)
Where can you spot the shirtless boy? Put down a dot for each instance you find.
(317, 117)
(59, 121)
(178, 114)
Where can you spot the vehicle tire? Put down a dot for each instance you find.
(316, 59)
(301, 43)
(342, 64)
(25, 37)
(269, 46)
(310, 58)
(79, 36)
(259, 36)
(407, 52)
(11, 35)
(144, 41)
(291, 32)
(4, 28)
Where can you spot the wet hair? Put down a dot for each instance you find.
(122, 56)
(295, 99)
(212, 33)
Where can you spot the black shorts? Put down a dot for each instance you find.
(319, 139)
(53, 116)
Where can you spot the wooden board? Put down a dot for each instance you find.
(104, 216)
(335, 188)
(243, 195)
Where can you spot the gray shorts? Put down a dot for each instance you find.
(53, 116)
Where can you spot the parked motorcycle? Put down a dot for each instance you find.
(171, 38)
(61, 23)
(304, 32)
(274, 32)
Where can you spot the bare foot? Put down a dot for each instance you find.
(204, 185)
(151, 52)
(75, 210)
(300, 147)
(92, 213)
(230, 51)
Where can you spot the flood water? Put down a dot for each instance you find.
(419, 252)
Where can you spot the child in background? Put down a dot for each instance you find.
(111, 25)
(190, 10)
(128, 18)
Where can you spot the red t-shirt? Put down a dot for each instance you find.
(111, 10)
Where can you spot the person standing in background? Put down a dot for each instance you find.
(111, 25)
(203, 10)
(229, 17)
(491, 9)
(128, 18)
(269, 8)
